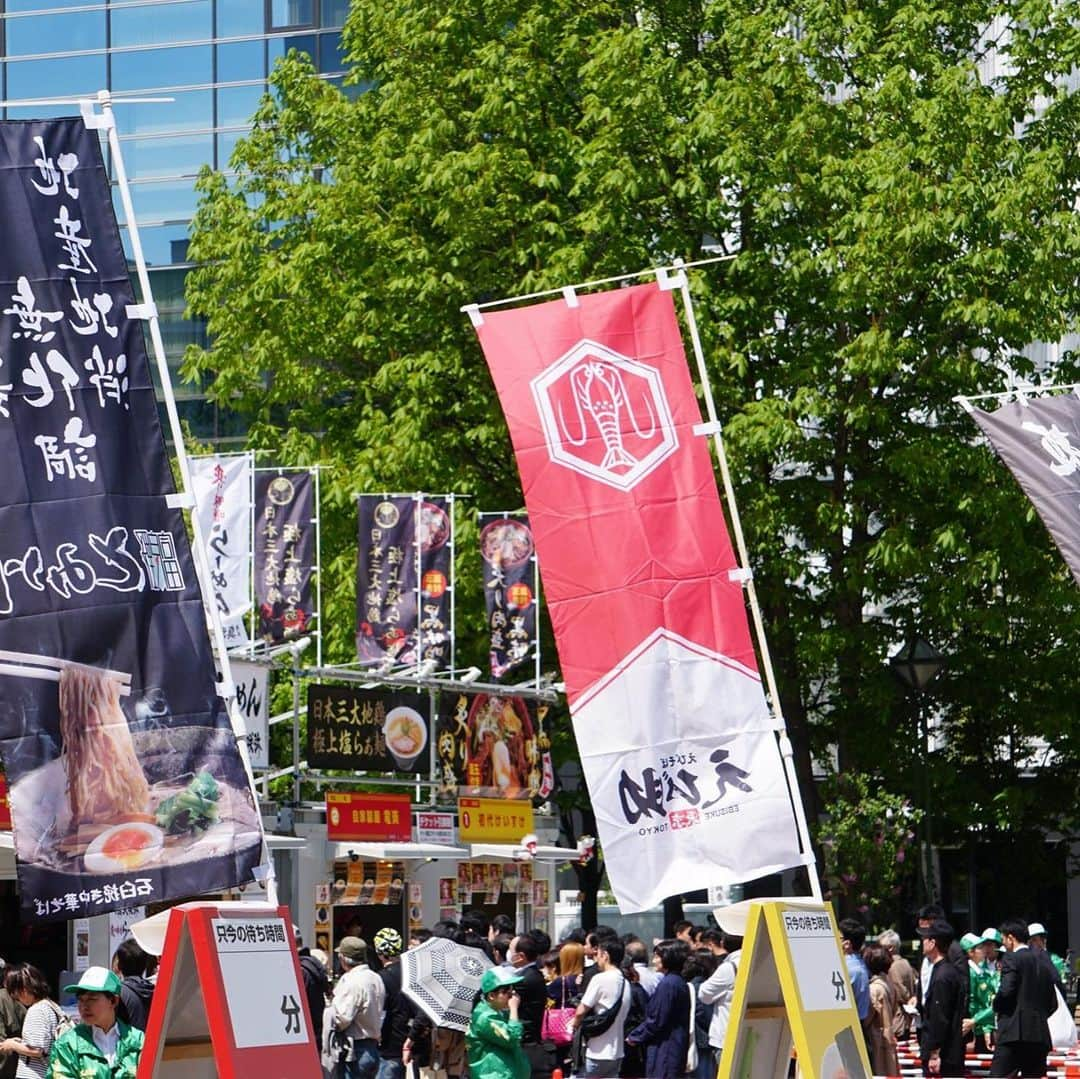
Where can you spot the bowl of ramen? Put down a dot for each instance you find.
(433, 527)
(405, 733)
(505, 543)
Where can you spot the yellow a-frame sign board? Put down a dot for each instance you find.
(792, 988)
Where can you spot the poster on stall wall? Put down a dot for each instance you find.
(448, 894)
(221, 486)
(360, 883)
(506, 547)
(404, 569)
(252, 681)
(82, 943)
(285, 553)
(464, 876)
(125, 781)
(525, 883)
(493, 745)
(120, 923)
(323, 922)
(510, 877)
(479, 878)
(416, 906)
(540, 893)
(494, 884)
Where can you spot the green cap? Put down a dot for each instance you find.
(95, 980)
(969, 940)
(497, 977)
(992, 935)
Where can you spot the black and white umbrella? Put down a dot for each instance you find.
(444, 978)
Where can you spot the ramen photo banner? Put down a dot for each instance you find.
(126, 784)
(509, 557)
(679, 749)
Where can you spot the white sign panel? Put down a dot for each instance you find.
(435, 828)
(818, 961)
(222, 490)
(252, 682)
(261, 986)
(120, 923)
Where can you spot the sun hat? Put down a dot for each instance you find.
(1036, 929)
(992, 934)
(969, 941)
(95, 980)
(353, 948)
(387, 942)
(497, 977)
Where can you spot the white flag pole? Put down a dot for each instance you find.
(679, 280)
(147, 311)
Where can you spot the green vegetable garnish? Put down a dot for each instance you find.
(193, 809)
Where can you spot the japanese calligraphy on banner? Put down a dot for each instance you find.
(404, 567)
(284, 553)
(1039, 439)
(366, 730)
(506, 546)
(678, 747)
(493, 745)
(222, 489)
(493, 820)
(252, 681)
(351, 815)
(435, 828)
(126, 785)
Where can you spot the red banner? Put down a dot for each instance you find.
(651, 627)
(378, 817)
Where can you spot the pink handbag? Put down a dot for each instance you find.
(555, 1026)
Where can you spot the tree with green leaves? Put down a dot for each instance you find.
(896, 183)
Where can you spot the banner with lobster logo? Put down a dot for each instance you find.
(678, 746)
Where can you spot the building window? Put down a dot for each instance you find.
(161, 24)
(76, 31)
(286, 14)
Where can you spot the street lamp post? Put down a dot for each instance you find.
(917, 664)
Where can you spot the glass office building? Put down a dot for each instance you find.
(212, 57)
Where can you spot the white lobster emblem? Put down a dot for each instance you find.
(604, 415)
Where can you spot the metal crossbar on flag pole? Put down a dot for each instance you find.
(602, 390)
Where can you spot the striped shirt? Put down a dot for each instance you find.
(39, 1031)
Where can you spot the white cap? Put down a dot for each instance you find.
(1036, 929)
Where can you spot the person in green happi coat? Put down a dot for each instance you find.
(982, 985)
(1037, 942)
(493, 1039)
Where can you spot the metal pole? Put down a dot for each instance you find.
(202, 566)
(786, 750)
(318, 565)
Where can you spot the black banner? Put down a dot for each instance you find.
(494, 746)
(126, 786)
(367, 730)
(1039, 439)
(506, 546)
(404, 556)
(284, 553)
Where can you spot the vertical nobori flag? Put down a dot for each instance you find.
(1039, 439)
(679, 749)
(127, 786)
(506, 546)
(403, 579)
(222, 489)
(284, 553)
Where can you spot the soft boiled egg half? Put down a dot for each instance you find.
(124, 847)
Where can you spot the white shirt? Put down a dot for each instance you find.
(648, 978)
(717, 990)
(602, 992)
(359, 997)
(106, 1040)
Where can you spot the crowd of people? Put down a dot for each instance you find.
(597, 1004)
(1000, 992)
(40, 1040)
(605, 1004)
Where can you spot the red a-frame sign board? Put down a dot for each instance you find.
(230, 999)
